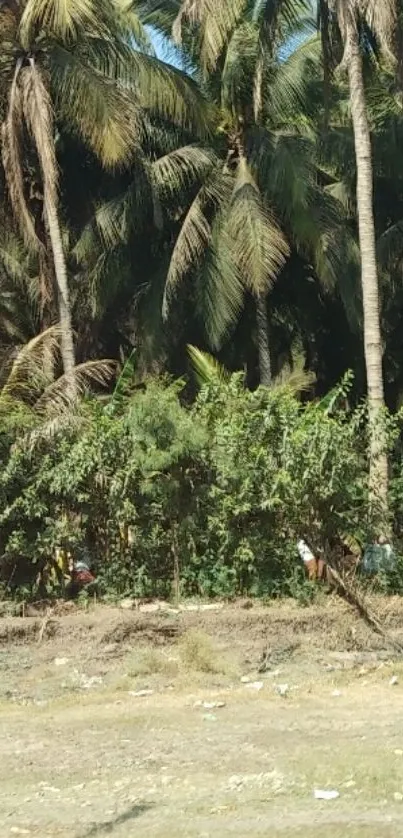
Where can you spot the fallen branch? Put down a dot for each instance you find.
(353, 598)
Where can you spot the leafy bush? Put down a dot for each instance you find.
(206, 500)
(282, 471)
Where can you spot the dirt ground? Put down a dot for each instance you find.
(108, 725)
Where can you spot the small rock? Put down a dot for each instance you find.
(210, 705)
(398, 796)
(245, 679)
(149, 607)
(336, 693)
(255, 685)
(393, 681)
(140, 693)
(282, 689)
(60, 661)
(209, 717)
(324, 794)
(398, 752)
(16, 830)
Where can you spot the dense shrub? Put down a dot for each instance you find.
(169, 499)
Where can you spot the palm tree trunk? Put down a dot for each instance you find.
(39, 118)
(67, 344)
(378, 476)
(263, 340)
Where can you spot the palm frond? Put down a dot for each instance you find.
(260, 245)
(11, 156)
(239, 67)
(67, 421)
(28, 374)
(63, 19)
(390, 246)
(206, 368)
(59, 396)
(290, 89)
(272, 14)
(14, 260)
(180, 170)
(100, 110)
(195, 233)
(131, 26)
(382, 19)
(285, 163)
(37, 107)
(294, 378)
(19, 290)
(220, 287)
(215, 22)
(168, 93)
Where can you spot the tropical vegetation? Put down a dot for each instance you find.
(200, 287)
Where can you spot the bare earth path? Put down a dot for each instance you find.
(81, 755)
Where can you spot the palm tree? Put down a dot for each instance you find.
(264, 193)
(380, 17)
(77, 60)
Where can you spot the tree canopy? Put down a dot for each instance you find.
(146, 207)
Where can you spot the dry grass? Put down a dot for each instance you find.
(200, 753)
(150, 661)
(198, 653)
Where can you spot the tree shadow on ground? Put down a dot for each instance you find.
(108, 827)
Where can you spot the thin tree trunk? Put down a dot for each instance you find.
(369, 277)
(38, 113)
(67, 344)
(263, 340)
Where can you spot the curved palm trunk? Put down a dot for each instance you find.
(263, 340)
(66, 331)
(39, 117)
(369, 275)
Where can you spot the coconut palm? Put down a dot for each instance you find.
(264, 195)
(77, 60)
(380, 17)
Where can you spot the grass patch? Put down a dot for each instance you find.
(197, 652)
(152, 662)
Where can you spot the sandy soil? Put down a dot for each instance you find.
(83, 755)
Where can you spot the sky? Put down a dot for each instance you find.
(166, 52)
(163, 48)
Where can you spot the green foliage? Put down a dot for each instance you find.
(185, 193)
(208, 499)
